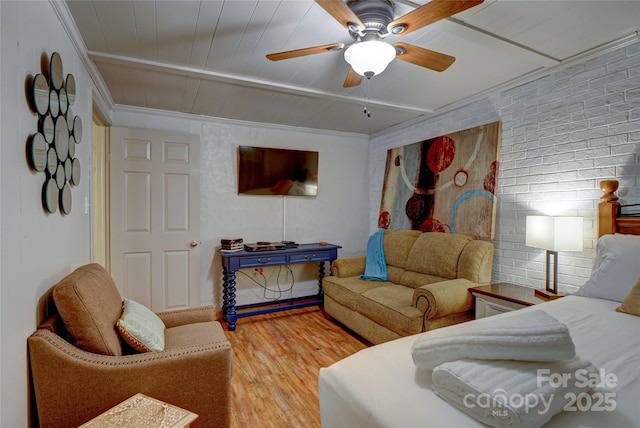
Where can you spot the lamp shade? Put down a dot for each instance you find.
(555, 233)
(370, 57)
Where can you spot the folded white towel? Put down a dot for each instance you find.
(527, 336)
(513, 394)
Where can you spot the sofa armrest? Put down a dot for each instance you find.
(187, 316)
(72, 386)
(444, 298)
(347, 267)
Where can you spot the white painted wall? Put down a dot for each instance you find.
(337, 215)
(561, 135)
(36, 250)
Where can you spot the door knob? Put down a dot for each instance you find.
(193, 244)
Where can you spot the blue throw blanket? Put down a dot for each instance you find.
(376, 266)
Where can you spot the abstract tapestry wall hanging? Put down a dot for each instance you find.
(444, 184)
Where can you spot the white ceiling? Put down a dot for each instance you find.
(208, 57)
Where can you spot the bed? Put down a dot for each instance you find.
(381, 386)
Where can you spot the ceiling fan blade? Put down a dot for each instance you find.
(431, 12)
(424, 57)
(353, 79)
(304, 52)
(340, 12)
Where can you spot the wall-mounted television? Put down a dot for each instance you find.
(271, 171)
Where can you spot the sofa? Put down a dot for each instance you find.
(429, 275)
(81, 367)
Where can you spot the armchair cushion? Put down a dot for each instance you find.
(193, 335)
(89, 304)
(142, 329)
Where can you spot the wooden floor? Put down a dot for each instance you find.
(276, 359)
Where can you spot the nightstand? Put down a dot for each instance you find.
(493, 299)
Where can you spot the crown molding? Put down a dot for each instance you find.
(518, 81)
(126, 109)
(101, 91)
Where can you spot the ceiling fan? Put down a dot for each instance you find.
(369, 22)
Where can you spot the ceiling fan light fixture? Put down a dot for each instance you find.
(354, 28)
(369, 58)
(398, 29)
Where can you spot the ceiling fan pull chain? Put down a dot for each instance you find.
(367, 112)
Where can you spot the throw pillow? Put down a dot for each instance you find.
(141, 328)
(631, 303)
(89, 304)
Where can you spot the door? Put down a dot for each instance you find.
(155, 211)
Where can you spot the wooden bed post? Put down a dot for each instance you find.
(608, 208)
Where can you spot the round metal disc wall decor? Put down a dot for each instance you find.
(37, 152)
(51, 149)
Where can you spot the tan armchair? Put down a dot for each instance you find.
(73, 385)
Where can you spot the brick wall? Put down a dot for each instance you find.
(561, 135)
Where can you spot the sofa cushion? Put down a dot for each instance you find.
(437, 254)
(476, 261)
(140, 327)
(417, 279)
(89, 304)
(347, 291)
(395, 274)
(390, 306)
(397, 244)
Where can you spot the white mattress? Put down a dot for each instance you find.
(381, 387)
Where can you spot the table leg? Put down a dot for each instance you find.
(320, 276)
(225, 293)
(231, 301)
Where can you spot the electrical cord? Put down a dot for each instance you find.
(266, 288)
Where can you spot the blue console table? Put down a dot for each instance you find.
(304, 253)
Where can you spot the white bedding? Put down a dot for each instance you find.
(381, 386)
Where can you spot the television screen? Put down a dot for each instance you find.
(269, 171)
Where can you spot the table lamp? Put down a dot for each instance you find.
(554, 234)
